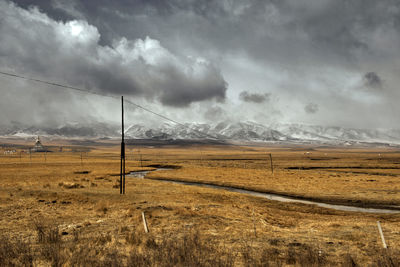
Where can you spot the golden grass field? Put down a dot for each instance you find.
(58, 209)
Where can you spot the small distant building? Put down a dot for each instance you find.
(38, 147)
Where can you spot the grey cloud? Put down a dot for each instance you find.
(214, 113)
(254, 97)
(70, 52)
(295, 49)
(372, 80)
(311, 108)
(282, 31)
(328, 32)
(31, 104)
(179, 89)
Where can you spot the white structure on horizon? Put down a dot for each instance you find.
(38, 146)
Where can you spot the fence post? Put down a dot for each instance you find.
(272, 165)
(146, 229)
(254, 224)
(381, 233)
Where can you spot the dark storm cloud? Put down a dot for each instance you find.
(289, 32)
(70, 52)
(311, 108)
(254, 97)
(295, 49)
(302, 33)
(323, 31)
(372, 80)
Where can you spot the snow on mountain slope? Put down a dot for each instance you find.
(68, 130)
(320, 133)
(240, 131)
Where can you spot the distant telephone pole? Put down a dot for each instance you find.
(272, 164)
(122, 169)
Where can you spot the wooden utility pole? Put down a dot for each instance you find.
(272, 165)
(122, 169)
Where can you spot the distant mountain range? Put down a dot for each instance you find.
(241, 131)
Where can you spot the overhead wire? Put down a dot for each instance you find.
(81, 90)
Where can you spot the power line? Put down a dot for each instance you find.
(105, 95)
(57, 84)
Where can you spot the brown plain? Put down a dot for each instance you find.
(68, 211)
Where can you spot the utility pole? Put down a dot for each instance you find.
(272, 165)
(122, 169)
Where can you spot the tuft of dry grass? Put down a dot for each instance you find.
(47, 233)
(189, 250)
(15, 252)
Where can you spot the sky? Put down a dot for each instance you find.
(318, 62)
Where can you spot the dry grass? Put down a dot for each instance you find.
(90, 224)
(190, 249)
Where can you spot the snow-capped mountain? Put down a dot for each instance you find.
(224, 131)
(67, 130)
(240, 131)
(331, 133)
(250, 131)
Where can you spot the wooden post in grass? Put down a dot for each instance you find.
(381, 233)
(146, 229)
(45, 156)
(272, 165)
(81, 159)
(254, 225)
(30, 155)
(122, 170)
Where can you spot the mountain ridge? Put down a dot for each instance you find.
(239, 131)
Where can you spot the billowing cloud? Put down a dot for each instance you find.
(311, 108)
(327, 32)
(254, 97)
(200, 52)
(70, 52)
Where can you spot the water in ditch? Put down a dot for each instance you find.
(270, 196)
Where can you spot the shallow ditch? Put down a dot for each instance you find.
(142, 174)
(367, 173)
(270, 196)
(342, 167)
(158, 167)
